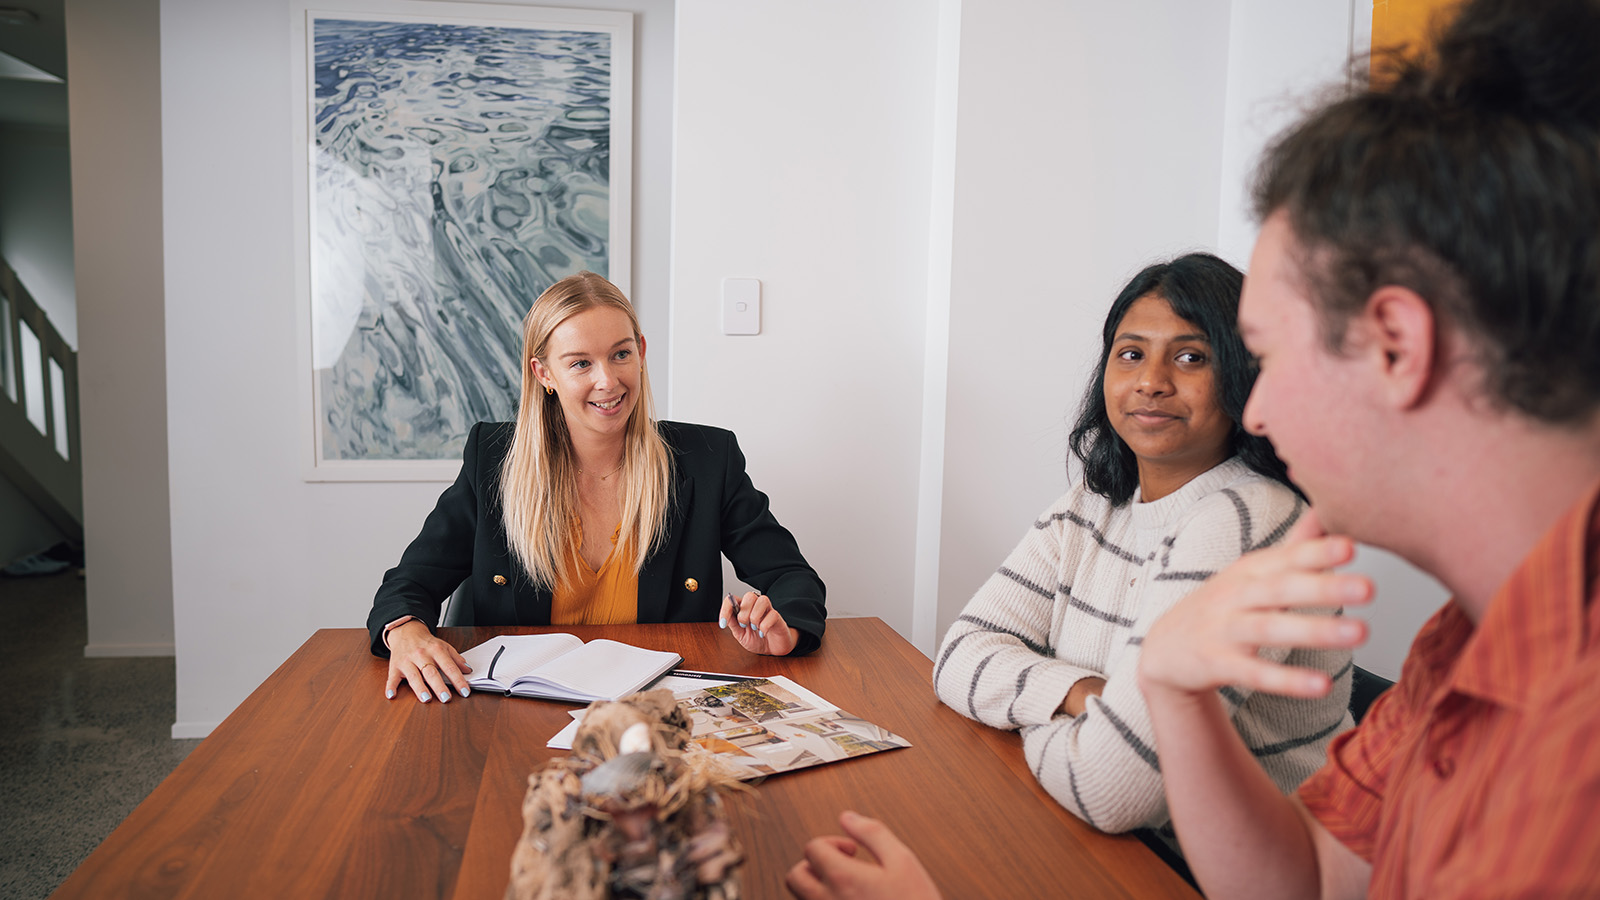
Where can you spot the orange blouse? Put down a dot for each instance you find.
(608, 596)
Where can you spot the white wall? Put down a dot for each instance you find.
(803, 159)
(1056, 181)
(260, 557)
(36, 220)
(1089, 144)
(1281, 56)
(115, 114)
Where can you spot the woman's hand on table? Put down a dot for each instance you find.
(756, 625)
(432, 667)
(834, 867)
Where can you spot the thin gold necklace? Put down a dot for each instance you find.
(608, 474)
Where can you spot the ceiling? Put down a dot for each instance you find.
(43, 44)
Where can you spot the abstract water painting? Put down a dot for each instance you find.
(456, 170)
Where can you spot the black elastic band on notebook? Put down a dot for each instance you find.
(496, 659)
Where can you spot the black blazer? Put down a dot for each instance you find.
(715, 510)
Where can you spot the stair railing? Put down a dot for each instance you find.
(39, 439)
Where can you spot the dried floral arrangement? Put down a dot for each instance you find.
(634, 811)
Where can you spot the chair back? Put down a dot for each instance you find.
(458, 606)
(1365, 687)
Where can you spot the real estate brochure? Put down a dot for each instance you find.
(764, 726)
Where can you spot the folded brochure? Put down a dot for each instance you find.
(768, 725)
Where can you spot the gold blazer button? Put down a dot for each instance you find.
(499, 579)
(691, 585)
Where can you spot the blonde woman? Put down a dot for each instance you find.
(588, 511)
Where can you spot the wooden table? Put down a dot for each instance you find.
(319, 787)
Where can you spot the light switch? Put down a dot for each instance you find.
(741, 306)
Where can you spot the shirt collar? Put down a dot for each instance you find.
(1536, 623)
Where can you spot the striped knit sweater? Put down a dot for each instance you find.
(1076, 598)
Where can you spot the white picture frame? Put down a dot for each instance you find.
(451, 161)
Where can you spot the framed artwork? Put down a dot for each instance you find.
(452, 161)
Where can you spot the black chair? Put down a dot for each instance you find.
(1365, 687)
(458, 609)
(1157, 840)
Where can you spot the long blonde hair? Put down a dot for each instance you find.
(539, 479)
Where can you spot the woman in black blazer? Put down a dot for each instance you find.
(544, 521)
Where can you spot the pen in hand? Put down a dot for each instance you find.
(734, 604)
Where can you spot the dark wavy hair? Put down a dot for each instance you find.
(1473, 180)
(1204, 290)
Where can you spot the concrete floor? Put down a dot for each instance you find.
(83, 741)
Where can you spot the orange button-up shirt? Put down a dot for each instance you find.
(1478, 774)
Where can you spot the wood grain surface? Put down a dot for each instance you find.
(319, 787)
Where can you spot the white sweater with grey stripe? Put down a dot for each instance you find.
(1075, 599)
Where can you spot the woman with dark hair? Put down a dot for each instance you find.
(1173, 489)
(1197, 288)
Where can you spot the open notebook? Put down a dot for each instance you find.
(562, 667)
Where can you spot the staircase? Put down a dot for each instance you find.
(39, 409)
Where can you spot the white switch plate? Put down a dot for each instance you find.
(741, 306)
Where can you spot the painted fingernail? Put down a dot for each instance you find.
(722, 622)
(426, 696)
(389, 694)
(444, 696)
(465, 692)
(761, 633)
